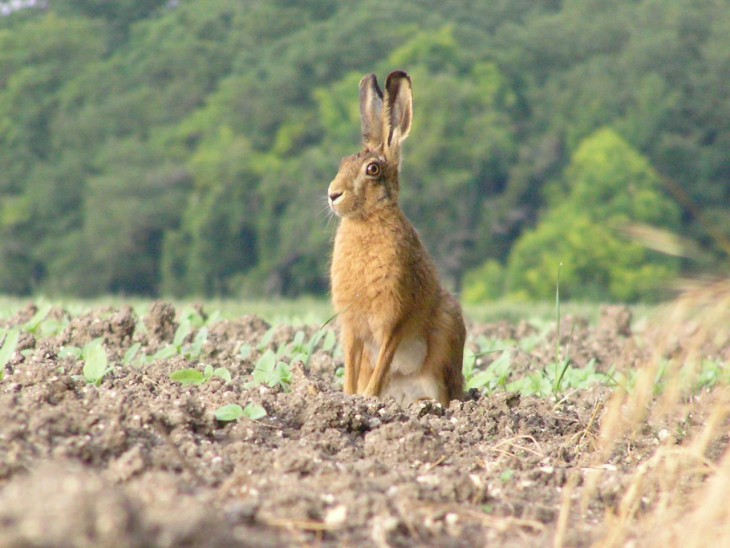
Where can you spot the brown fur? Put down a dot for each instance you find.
(385, 286)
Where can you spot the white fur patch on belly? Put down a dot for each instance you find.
(408, 389)
(408, 358)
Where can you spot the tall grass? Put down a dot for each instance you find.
(677, 495)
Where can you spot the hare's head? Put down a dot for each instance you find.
(368, 181)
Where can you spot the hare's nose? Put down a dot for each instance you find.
(334, 196)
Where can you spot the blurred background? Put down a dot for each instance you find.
(184, 148)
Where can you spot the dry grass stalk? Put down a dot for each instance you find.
(677, 496)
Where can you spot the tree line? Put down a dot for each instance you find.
(184, 148)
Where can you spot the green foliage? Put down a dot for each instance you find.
(131, 353)
(271, 372)
(179, 347)
(190, 377)
(233, 412)
(38, 57)
(608, 185)
(495, 377)
(10, 341)
(95, 362)
(218, 236)
(484, 283)
(34, 324)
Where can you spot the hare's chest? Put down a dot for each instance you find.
(364, 270)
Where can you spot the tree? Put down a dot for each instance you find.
(37, 58)
(608, 184)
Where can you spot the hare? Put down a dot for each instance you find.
(402, 334)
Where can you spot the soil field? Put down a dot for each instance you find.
(142, 460)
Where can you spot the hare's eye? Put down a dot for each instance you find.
(373, 169)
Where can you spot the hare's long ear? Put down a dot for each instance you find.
(398, 114)
(371, 112)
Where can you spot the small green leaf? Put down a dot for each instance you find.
(32, 324)
(208, 371)
(299, 357)
(165, 353)
(131, 353)
(254, 411)
(329, 341)
(230, 412)
(223, 373)
(266, 362)
(283, 376)
(8, 348)
(187, 377)
(144, 359)
(267, 338)
(507, 475)
(182, 333)
(312, 346)
(193, 316)
(298, 343)
(201, 336)
(246, 351)
(233, 411)
(270, 372)
(95, 363)
(314, 341)
(52, 327)
(70, 352)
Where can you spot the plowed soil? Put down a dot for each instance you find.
(140, 460)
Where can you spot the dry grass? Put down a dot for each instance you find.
(676, 493)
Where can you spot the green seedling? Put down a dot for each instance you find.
(497, 374)
(271, 372)
(561, 364)
(70, 352)
(327, 345)
(194, 350)
(189, 377)
(494, 377)
(266, 339)
(8, 349)
(536, 384)
(95, 362)
(245, 351)
(131, 353)
(711, 373)
(300, 350)
(33, 325)
(296, 350)
(330, 340)
(507, 475)
(177, 348)
(233, 412)
(196, 319)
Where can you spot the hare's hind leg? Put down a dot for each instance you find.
(446, 350)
